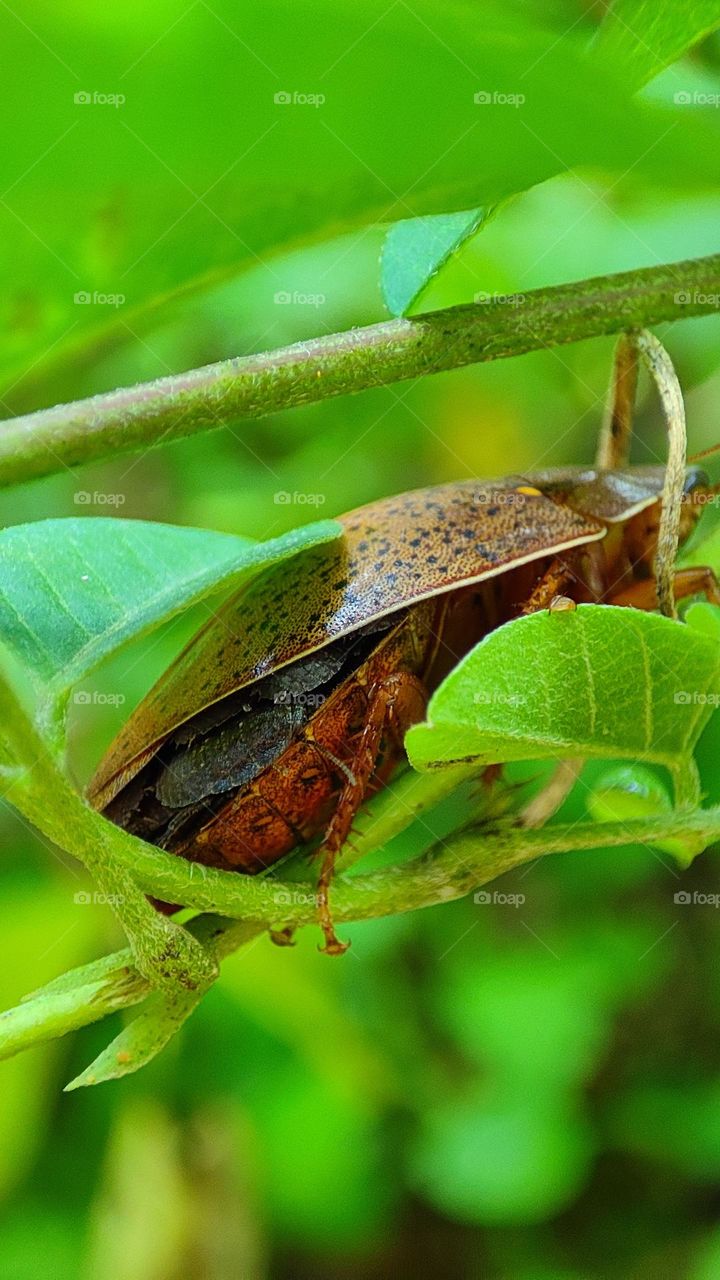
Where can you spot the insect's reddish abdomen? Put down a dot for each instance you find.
(291, 799)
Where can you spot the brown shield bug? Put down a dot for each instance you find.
(290, 707)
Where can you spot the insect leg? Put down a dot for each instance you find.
(554, 580)
(694, 581)
(394, 703)
(614, 444)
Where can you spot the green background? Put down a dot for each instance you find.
(484, 1089)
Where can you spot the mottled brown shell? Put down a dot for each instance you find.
(394, 553)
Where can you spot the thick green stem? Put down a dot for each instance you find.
(102, 987)
(450, 869)
(137, 417)
(165, 952)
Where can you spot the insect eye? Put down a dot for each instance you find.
(696, 478)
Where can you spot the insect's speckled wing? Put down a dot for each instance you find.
(395, 552)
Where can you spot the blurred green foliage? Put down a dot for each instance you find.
(199, 140)
(524, 1091)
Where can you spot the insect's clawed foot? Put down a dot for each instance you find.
(283, 937)
(333, 946)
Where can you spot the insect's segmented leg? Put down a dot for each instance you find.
(407, 705)
(349, 801)
(614, 443)
(394, 703)
(694, 581)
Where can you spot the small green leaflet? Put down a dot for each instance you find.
(705, 618)
(72, 591)
(142, 1039)
(416, 249)
(625, 792)
(600, 681)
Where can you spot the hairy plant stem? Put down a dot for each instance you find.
(138, 417)
(36, 785)
(449, 869)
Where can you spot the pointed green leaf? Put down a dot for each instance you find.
(72, 591)
(53, 1012)
(159, 1019)
(646, 35)
(599, 681)
(643, 36)
(416, 249)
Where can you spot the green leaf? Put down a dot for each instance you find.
(100, 987)
(54, 1011)
(599, 681)
(704, 551)
(415, 250)
(646, 35)
(277, 124)
(142, 1039)
(627, 792)
(74, 590)
(705, 618)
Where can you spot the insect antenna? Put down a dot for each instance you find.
(705, 453)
